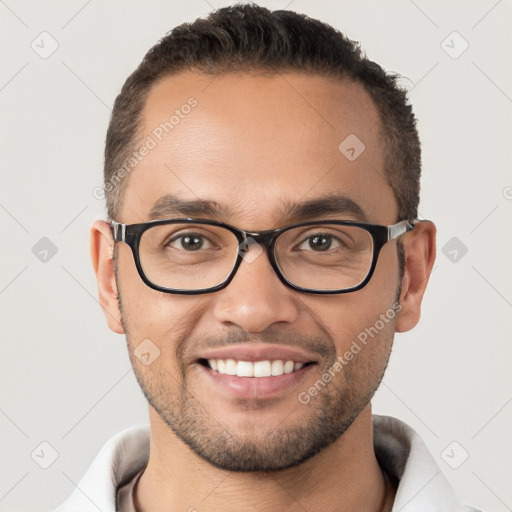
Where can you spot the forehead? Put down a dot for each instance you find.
(254, 143)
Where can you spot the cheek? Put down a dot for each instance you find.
(151, 317)
(143, 307)
(366, 314)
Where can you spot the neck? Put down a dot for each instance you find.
(345, 476)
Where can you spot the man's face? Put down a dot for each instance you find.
(253, 144)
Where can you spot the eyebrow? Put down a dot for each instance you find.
(170, 206)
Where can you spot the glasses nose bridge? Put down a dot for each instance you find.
(264, 238)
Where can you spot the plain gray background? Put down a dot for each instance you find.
(66, 379)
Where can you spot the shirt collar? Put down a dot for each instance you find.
(398, 448)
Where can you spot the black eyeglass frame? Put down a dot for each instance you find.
(131, 235)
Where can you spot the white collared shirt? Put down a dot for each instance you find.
(108, 483)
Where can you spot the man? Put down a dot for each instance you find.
(262, 248)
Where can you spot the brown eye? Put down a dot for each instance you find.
(189, 242)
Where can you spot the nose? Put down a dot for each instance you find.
(255, 298)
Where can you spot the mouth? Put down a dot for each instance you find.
(255, 369)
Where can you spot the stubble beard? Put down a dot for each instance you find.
(326, 417)
(323, 420)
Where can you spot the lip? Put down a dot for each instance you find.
(259, 388)
(260, 352)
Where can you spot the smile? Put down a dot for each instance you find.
(264, 368)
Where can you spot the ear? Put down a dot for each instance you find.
(420, 253)
(102, 251)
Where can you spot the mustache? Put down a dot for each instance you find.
(323, 346)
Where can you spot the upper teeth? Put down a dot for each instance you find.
(253, 369)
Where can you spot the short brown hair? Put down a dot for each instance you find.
(247, 38)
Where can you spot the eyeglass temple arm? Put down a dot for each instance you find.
(118, 231)
(399, 228)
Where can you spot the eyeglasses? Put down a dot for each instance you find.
(193, 256)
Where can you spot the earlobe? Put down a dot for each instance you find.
(102, 246)
(420, 252)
